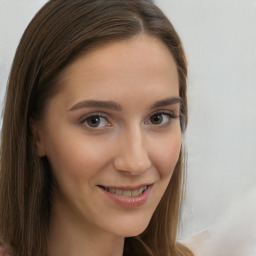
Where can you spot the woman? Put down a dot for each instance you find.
(91, 157)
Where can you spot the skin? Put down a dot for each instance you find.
(126, 149)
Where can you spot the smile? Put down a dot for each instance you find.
(127, 193)
(130, 197)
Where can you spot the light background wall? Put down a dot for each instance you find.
(219, 37)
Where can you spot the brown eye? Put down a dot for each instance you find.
(95, 121)
(156, 119)
(161, 119)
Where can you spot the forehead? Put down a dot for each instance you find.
(142, 64)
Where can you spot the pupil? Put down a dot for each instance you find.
(94, 121)
(156, 119)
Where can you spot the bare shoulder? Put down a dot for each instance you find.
(233, 233)
(195, 242)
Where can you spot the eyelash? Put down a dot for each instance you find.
(169, 115)
(100, 116)
(85, 119)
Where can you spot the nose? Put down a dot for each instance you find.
(132, 157)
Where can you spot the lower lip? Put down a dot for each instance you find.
(127, 201)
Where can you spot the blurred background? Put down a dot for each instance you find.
(219, 38)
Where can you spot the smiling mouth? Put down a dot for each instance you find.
(125, 193)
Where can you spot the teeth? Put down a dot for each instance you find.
(128, 193)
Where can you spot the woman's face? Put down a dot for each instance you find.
(112, 135)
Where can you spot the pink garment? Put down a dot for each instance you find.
(3, 251)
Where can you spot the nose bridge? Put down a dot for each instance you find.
(133, 152)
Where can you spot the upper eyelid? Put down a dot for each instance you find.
(173, 107)
(175, 112)
(100, 114)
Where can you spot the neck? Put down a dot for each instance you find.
(70, 235)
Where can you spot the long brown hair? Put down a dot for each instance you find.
(59, 33)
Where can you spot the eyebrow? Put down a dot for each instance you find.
(166, 102)
(117, 107)
(97, 104)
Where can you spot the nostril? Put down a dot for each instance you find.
(132, 167)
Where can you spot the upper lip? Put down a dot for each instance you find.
(127, 187)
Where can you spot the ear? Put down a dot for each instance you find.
(37, 138)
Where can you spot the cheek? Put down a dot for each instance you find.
(77, 158)
(167, 153)
(75, 164)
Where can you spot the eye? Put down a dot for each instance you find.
(157, 119)
(161, 118)
(96, 121)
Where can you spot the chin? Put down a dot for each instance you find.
(131, 227)
(131, 232)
